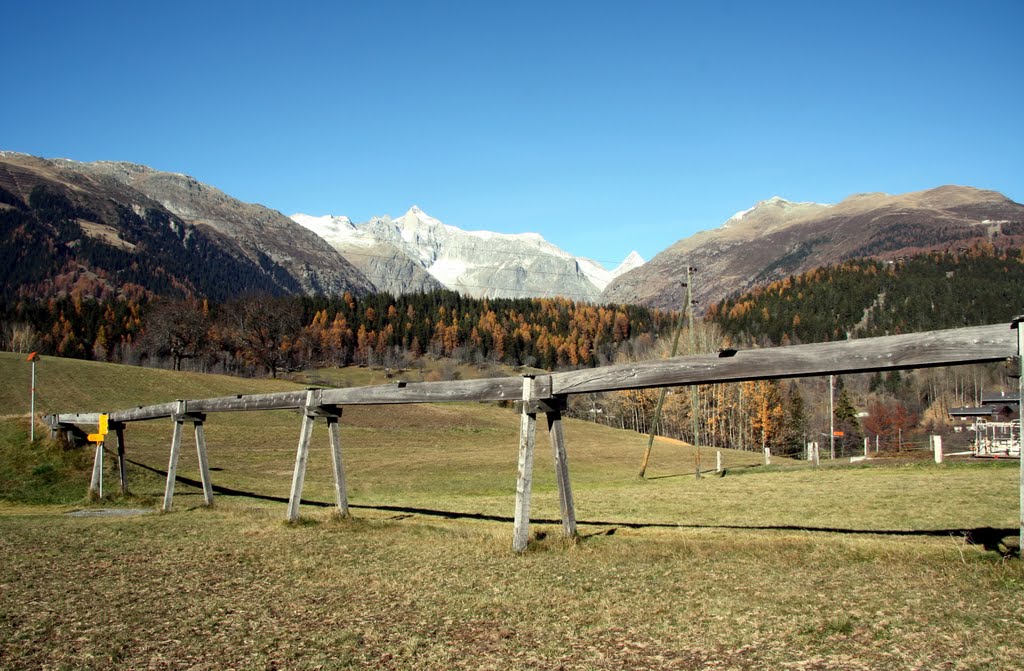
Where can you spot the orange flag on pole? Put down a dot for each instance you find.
(33, 357)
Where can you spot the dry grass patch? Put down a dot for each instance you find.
(784, 567)
(236, 588)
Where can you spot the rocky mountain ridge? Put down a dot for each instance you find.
(777, 238)
(419, 252)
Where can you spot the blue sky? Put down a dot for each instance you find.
(604, 126)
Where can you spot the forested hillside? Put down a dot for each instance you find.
(863, 298)
(265, 333)
(51, 246)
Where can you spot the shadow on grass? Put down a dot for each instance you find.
(988, 537)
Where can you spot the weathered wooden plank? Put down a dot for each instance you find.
(284, 400)
(172, 461)
(204, 467)
(122, 461)
(74, 418)
(1019, 326)
(161, 411)
(524, 480)
(96, 485)
(494, 389)
(340, 489)
(565, 500)
(914, 350)
(301, 457)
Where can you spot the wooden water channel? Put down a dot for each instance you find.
(548, 394)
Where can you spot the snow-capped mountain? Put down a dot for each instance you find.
(418, 252)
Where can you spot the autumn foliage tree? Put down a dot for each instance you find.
(890, 420)
(264, 329)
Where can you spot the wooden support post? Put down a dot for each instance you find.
(204, 467)
(340, 490)
(718, 461)
(172, 462)
(767, 456)
(566, 505)
(1018, 323)
(524, 481)
(122, 461)
(96, 485)
(302, 454)
(937, 448)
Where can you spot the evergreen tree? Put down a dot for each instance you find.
(796, 422)
(846, 419)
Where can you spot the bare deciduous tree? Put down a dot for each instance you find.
(179, 329)
(264, 328)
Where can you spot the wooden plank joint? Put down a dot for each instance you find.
(546, 405)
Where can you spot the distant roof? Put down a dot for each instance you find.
(1010, 397)
(983, 411)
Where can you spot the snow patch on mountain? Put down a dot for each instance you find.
(776, 203)
(477, 263)
(601, 276)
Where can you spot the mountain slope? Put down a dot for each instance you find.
(260, 233)
(417, 250)
(103, 226)
(384, 263)
(777, 238)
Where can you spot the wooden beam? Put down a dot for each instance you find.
(340, 490)
(565, 500)
(302, 455)
(524, 480)
(96, 484)
(172, 461)
(204, 468)
(1018, 324)
(493, 389)
(122, 461)
(74, 418)
(978, 344)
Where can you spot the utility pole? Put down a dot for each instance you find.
(694, 397)
(1019, 324)
(664, 390)
(831, 419)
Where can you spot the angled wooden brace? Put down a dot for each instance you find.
(179, 417)
(314, 408)
(122, 461)
(552, 407)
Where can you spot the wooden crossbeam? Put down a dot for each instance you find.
(978, 344)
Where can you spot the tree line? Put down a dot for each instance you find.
(273, 333)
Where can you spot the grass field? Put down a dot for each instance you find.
(861, 567)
